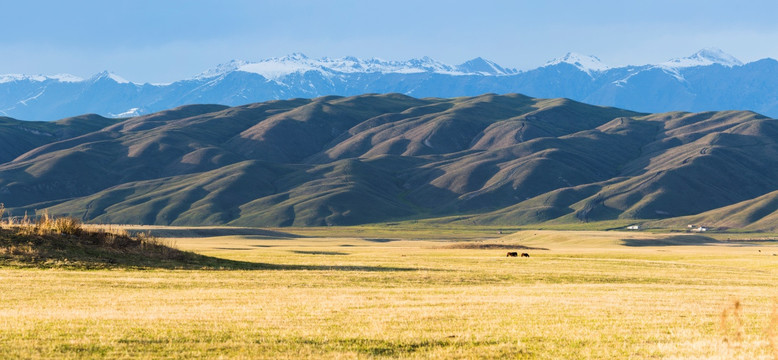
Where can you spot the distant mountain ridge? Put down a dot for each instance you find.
(279, 68)
(707, 80)
(490, 159)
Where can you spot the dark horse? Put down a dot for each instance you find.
(524, 255)
(512, 254)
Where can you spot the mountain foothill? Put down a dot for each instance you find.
(488, 159)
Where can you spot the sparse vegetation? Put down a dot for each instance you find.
(361, 293)
(65, 242)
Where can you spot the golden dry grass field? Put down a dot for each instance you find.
(409, 293)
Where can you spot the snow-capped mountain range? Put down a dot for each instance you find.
(707, 80)
(587, 64)
(704, 57)
(278, 68)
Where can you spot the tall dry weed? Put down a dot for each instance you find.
(117, 230)
(732, 324)
(23, 226)
(67, 225)
(46, 225)
(733, 333)
(4, 224)
(149, 241)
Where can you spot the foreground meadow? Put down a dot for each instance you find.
(362, 293)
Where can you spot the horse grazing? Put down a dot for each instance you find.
(512, 254)
(524, 255)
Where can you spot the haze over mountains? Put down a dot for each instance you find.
(706, 80)
(489, 159)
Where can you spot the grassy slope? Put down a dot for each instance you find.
(18, 137)
(43, 246)
(503, 160)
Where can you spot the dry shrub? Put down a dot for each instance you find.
(24, 250)
(46, 225)
(23, 226)
(109, 235)
(106, 229)
(4, 224)
(67, 225)
(165, 247)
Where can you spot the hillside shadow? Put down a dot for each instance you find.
(481, 246)
(223, 264)
(304, 252)
(677, 240)
(94, 251)
(212, 232)
(379, 240)
(192, 261)
(338, 268)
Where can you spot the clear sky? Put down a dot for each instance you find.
(166, 40)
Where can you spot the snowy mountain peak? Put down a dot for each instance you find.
(482, 66)
(425, 64)
(5, 78)
(220, 69)
(587, 64)
(277, 68)
(67, 78)
(296, 56)
(704, 57)
(107, 75)
(648, 88)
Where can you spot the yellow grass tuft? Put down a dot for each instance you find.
(772, 330)
(44, 225)
(106, 228)
(731, 323)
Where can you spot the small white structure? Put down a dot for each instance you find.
(633, 227)
(700, 229)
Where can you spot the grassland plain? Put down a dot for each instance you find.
(405, 292)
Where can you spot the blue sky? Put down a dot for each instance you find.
(165, 40)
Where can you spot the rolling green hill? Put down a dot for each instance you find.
(490, 159)
(18, 137)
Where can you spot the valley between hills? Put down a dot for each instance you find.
(484, 160)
